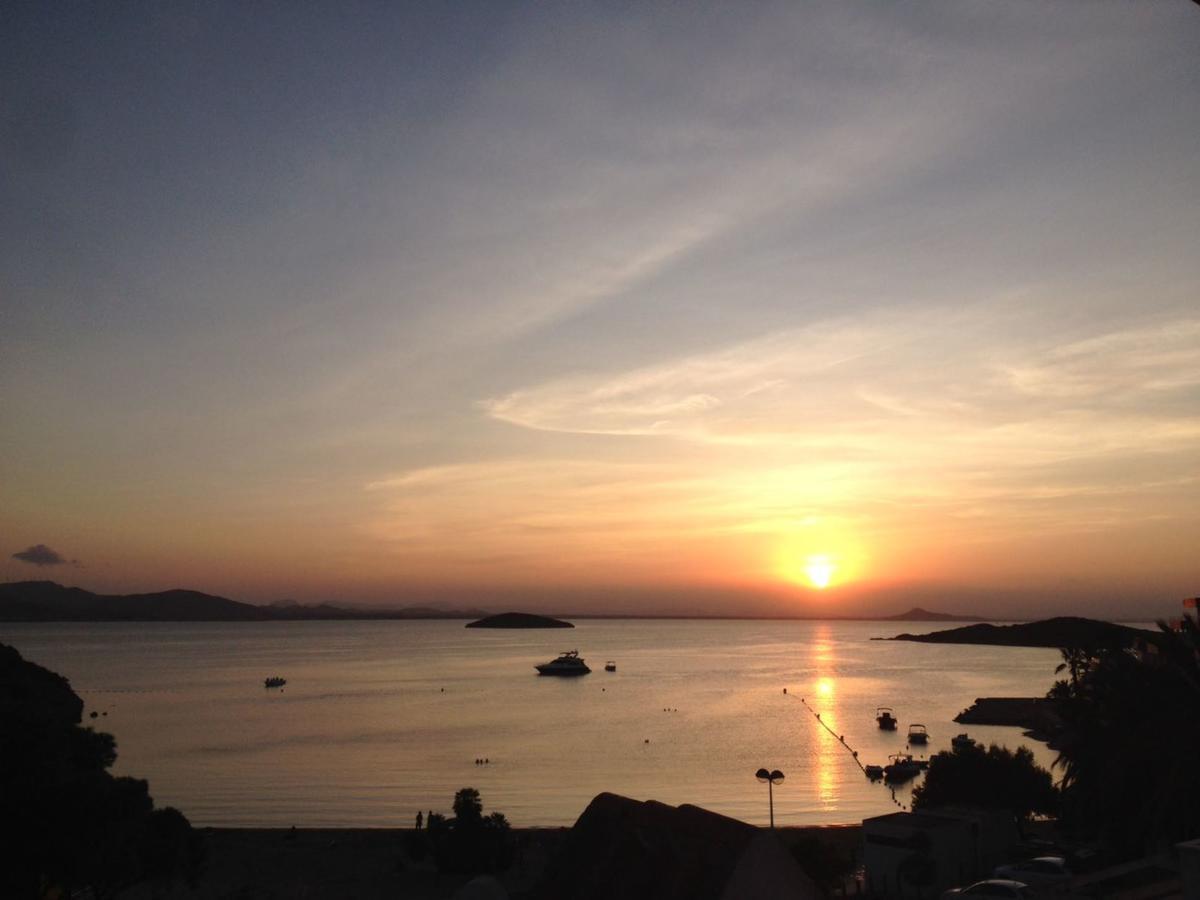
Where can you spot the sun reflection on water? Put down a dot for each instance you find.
(824, 664)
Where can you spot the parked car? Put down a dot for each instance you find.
(1041, 871)
(998, 888)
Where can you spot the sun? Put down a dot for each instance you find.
(818, 558)
(819, 571)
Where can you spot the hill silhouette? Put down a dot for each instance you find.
(47, 601)
(1063, 631)
(917, 614)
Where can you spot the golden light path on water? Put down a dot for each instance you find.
(823, 662)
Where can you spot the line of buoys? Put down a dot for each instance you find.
(841, 738)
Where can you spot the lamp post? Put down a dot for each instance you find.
(770, 778)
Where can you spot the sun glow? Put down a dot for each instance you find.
(819, 571)
(819, 559)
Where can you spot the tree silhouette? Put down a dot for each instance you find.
(470, 842)
(468, 806)
(995, 778)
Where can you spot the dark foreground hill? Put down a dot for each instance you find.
(1064, 631)
(75, 829)
(46, 601)
(519, 620)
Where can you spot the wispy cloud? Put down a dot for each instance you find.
(886, 385)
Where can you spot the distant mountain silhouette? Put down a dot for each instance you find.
(917, 614)
(46, 601)
(519, 620)
(1063, 631)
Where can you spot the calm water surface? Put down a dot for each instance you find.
(380, 719)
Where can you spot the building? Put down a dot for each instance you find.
(629, 849)
(909, 854)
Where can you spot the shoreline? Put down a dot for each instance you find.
(329, 863)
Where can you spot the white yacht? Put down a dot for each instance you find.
(568, 663)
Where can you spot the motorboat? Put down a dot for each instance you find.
(610, 666)
(962, 741)
(918, 734)
(886, 718)
(274, 681)
(901, 768)
(874, 772)
(568, 663)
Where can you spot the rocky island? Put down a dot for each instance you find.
(519, 620)
(1037, 715)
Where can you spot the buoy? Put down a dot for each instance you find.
(646, 741)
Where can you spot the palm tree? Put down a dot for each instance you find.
(1076, 660)
(1130, 742)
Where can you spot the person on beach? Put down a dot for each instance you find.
(420, 820)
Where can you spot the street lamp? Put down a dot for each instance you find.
(770, 778)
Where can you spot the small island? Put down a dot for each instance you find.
(519, 620)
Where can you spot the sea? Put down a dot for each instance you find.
(381, 719)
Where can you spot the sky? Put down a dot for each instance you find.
(824, 308)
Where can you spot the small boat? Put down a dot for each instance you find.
(568, 663)
(274, 681)
(610, 666)
(886, 718)
(962, 741)
(901, 768)
(874, 772)
(918, 734)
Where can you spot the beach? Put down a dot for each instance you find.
(363, 863)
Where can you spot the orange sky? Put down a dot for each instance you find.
(649, 313)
